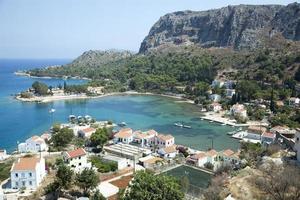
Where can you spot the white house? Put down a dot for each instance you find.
(77, 159)
(27, 172)
(294, 101)
(229, 93)
(217, 83)
(229, 157)
(163, 141)
(297, 145)
(87, 132)
(125, 135)
(168, 152)
(199, 159)
(215, 107)
(3, 154)
(149, 161)
(33, 144)
(238, 110)
(215, 97)
(145, 138)
(212, 156)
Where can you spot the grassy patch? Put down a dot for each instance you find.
(5, 169)
(102, 166)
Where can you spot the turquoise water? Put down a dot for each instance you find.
(21, 120)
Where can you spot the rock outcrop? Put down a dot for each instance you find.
(241, 26)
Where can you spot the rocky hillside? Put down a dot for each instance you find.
(241, 26)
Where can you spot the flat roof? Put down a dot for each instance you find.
(113, 158)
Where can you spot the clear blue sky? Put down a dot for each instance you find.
(66, 28)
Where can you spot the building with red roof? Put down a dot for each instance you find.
(77, 159)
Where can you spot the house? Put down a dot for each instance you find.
(198, 159)
(163, 141)
(297, 145)
(229, 84)
(3, 154)
(145, 138)
(215, 97)
(229, 93)
(168, 152)
(33, 145)
(87, 132)
(215, 107)
(254, 134)
(96, 90)
(150, 161)
(268, 138)
(217, 83)
(27, 172)
(77, 159)
(229, 157)
(284, 131)
(46, 136)
(212, 156)
(125, 135)
(238, 110)
(294, 101)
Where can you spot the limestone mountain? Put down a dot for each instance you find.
(240, 27)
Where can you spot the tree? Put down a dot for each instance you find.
(40, 88)
(97, 196)
(87, 180)
(62, 138)
(148, 186)
(100, 137)
(64, 176)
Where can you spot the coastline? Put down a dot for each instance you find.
(47, 99)
(22, 73)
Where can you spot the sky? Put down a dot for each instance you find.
(67, 28)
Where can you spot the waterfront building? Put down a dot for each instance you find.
(33, 145)
(77, 159)
(215, 107)
(229, 157)
(294, 101)
(198, 159)
(149, 162)
(215, 97)
(229, 93)
(168, 152)
(145, 138)
(27, 172)
(212, 156)
(3, 154)
(125, 135)
(238, 110)
(87, 132)
(163, 141)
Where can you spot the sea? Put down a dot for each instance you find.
(20, 120)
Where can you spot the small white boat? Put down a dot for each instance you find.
(224, 124)
(122, 124)
(211, 121)
(186, 126)
(178, 124)
(52, 110)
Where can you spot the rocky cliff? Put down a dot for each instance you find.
(241, 26)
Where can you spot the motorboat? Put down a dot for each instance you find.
(178, 124)
(187, 126)
(52, 110)
(122, 124)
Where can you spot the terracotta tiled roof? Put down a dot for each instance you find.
(228, 152)
(25, 164)
(269, 135)
(211, 153)
(165, 137)
(198, 156)
(170, 149)
(76, 153)
(124, 133)
(87, 130)
(142, 135)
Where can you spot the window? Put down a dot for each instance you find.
(79, 164)
(17, 184)
(79, 157)
(297, 139)
(17, 175)
(30, 182)
(30, 174)
(23, 183)
(22, 175)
